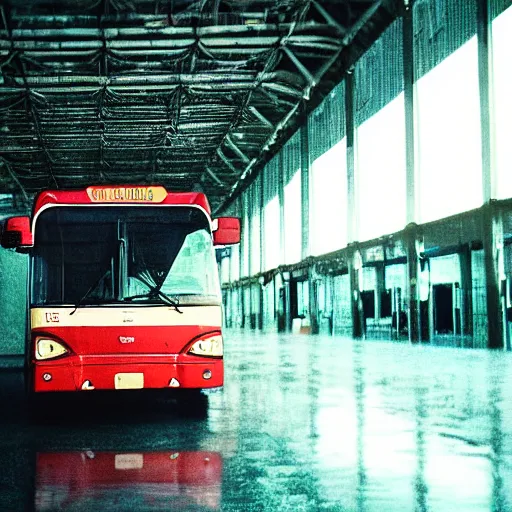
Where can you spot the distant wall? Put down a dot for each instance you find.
(13, 302)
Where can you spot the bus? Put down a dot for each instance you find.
(123, 290)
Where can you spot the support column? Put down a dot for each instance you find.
(286, 283)
(353, 254)
(313, 303)
(304, 180)
(380, 288)
(280, 195)
(411, 236)
(412, 202)
(241, 258)
(412, 214)
(261, 203)
(466, 286)
(492, 236)
(352, 197)
(356, 309)
(249, 209)
(486, 122)
(490, 227)
(288, 306)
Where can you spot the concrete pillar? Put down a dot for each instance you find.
(305, 166)
(261, 205)
(352, 198)
(288, 306)
(241, 258)
(262, 305)
(466, 285)
(286, 284)
(411, 236)
(492, 232)
(356, 309)
(313, 303)
(353, 254)
(380, 287)
(280, 195)
(305, 196)
(492, 238)
(412, 203)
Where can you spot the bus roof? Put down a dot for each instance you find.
(120, 194)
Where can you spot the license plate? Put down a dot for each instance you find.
(129, 461)
(129, 381)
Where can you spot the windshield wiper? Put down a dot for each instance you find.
(152, 294)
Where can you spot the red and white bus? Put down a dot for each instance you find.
(123, 289)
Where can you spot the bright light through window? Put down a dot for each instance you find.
(292, 219)
(245, 246)
(272, 234)
(502, 48)
(224, 270)
(329, 200)
(235, 262)
(450, 160)
(381, 171)
(255, 244)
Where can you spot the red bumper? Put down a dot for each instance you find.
(71, 376)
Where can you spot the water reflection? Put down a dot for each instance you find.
(111, 453)
(303, 424)
(373, 427)
(420, 485)
(359, 393)
(496, 442)
(87, 480)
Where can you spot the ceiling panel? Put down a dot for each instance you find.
(191, 95)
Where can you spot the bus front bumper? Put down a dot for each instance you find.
(59, 376)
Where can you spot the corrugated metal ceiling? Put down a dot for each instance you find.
(194, 95)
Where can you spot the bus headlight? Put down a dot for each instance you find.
(49, 349)
(210, 346)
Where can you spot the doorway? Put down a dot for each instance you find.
(443, 308)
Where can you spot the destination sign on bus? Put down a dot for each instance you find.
(126, 194)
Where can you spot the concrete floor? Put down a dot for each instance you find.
(303, 424)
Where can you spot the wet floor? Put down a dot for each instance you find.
(304, 423)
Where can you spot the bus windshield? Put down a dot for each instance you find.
(105, 255)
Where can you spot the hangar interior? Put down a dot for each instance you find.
(403, 174)
(363, 144)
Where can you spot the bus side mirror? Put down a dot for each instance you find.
(226, 231)
(16, 233)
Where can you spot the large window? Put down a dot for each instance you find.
(106, 255)
(502, 48)
(293, 219)
(272, 216)
(448, 134)
(272, 241)
(381, 171)
(234, 263)
(291, 169)
(255, 226)
(450, 160)
(329, 200)
(379, 116)
(328, 182)
(245, 247)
